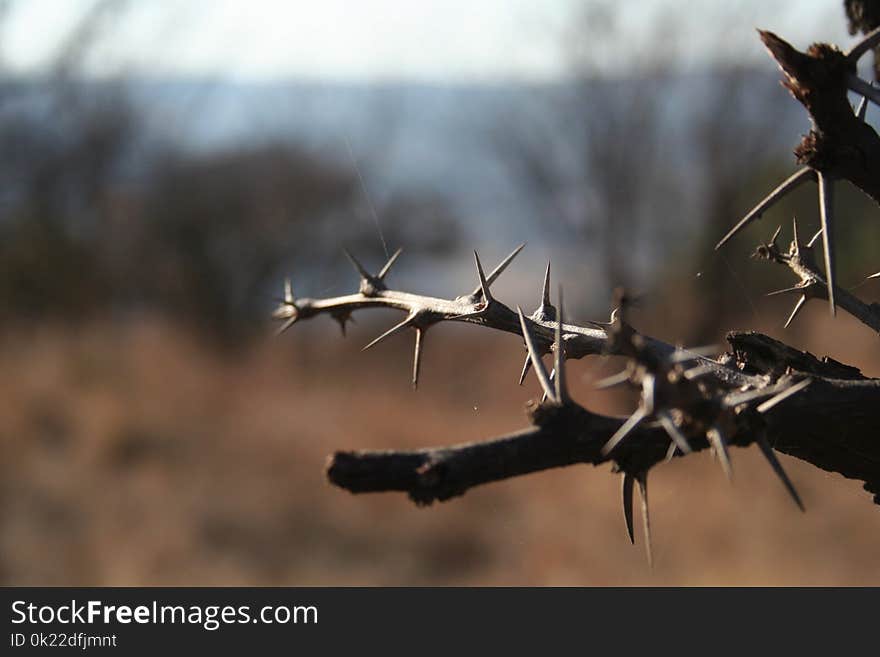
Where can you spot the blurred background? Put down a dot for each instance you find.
(166, 164)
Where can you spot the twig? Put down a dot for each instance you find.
(811, 284)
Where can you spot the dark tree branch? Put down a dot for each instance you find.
(839, 144)
(831, 424)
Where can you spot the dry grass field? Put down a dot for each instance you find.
(134, 455)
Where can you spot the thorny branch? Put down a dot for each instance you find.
(811, 283)
(840, 145)
(760, 392)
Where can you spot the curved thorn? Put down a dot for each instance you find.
(384, 271)
(559, 355)
(826, 203)
(646, 518)
(768, 453)
(545, 292)
(782, 396)
(626, 492)
(797, 308)
(525, 369)
(417, 358)
(716, 438)
(357, 265)
(870, 40)
(674, 432)
(631, 423)
(535, 357)
(394, 329)
(795, 180)
(613, 380)
(868, 91)
(483, 290)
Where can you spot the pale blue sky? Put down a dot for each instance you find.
(376, 39)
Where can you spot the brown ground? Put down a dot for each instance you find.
(134, 456)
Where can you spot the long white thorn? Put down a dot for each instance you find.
(357, 265)
(768, 453)
(646, 518)
(674, 432)
(552, 379)
(545, 292)
(862, 110)
(288, 291)
(797, 308)
(417, 358)
(290, 322)
(697, 372)
(716, 438)
(504, 263)
(794, 181)
(682, 355)
(614, 380)
(394, 329)
(826, 203)
(525, 369)
(537, 363)
(787, 290)
(559, 354)
(775, 235)
(782, 396)
(498, 270)
(384, 271)
(631, 423)
(484, 284)
(649, 387)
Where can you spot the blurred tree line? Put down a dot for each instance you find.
(648, 157)
(99, 216)
(645, 169)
